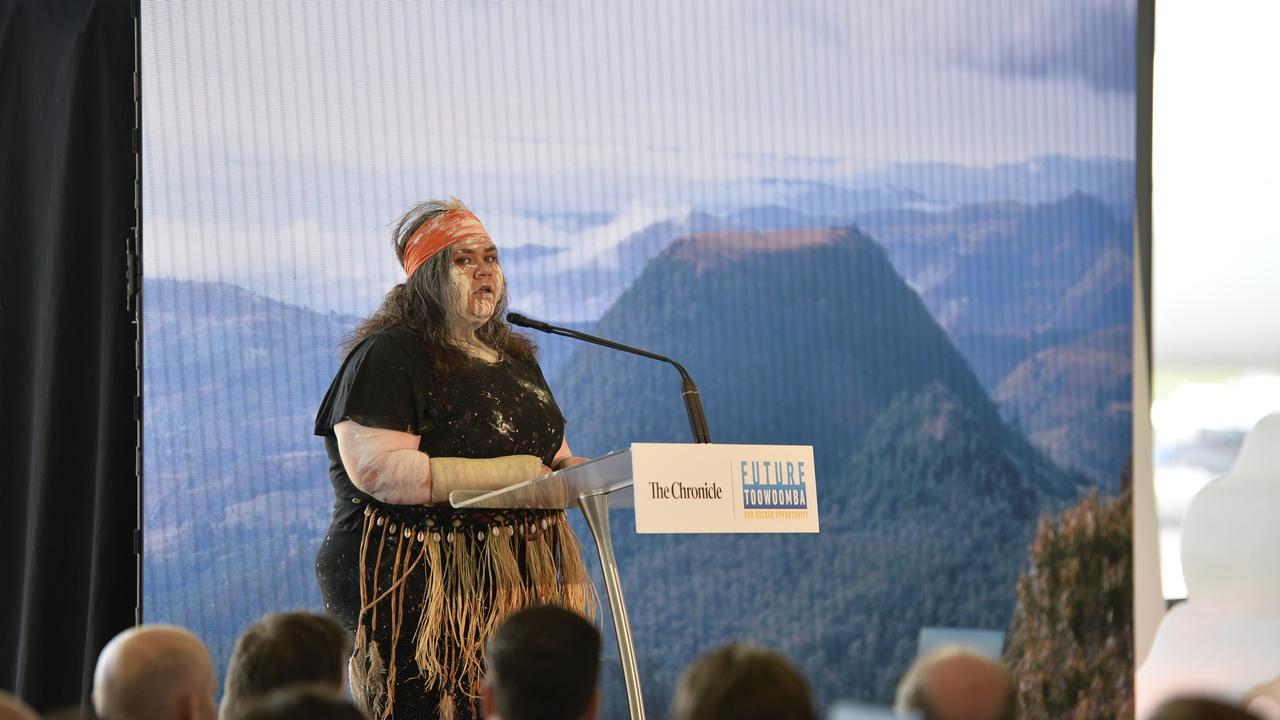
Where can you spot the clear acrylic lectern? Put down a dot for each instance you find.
(593, 486)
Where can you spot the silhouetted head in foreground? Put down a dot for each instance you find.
(284, 649)
(13, 708)
(744, 682)
(542, 664)
(154, 672)
(299, 702)
(955, 683)
(1194, 708)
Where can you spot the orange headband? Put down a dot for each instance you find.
(433, 236)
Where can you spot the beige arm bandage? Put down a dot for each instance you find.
(388, 465)
(451, 473)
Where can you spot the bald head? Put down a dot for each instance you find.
(11, 708)
(956, 683)
(154, 672)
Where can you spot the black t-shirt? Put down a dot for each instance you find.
(483, 410)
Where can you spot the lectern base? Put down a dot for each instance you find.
(595, 507)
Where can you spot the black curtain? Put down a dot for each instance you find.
(66, 416)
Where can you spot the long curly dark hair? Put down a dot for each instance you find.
(418, 305)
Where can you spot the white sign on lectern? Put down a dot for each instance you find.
(713, 488)
(674, 488)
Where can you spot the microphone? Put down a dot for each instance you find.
(692, 401)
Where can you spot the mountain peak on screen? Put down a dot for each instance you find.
(715, 250)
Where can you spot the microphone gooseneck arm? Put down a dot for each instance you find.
(692, 401)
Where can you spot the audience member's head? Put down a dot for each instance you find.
(69, 712)
(744, 682)
(284, 649)
(1196, 708)
(12, 708)
(1264, 700)
(299, 702)
(542, 664)
(955, 683)
(154, 672)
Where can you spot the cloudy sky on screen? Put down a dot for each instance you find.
(282, 138)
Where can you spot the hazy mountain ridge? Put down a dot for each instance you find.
(531, 253)
(1075, 401)
(826, 202)
(930, 186)
(811, 337)
(1037, 180)
(237, 495)
(933, 193)
(728, 319)
(1016, 269)
(1009, 281)
(770, 217)
(1006, 279)
(597, 278)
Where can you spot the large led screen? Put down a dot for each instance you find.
(898, 232)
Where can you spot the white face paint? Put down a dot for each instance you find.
(476, 276)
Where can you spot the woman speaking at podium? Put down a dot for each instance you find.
(436, 394)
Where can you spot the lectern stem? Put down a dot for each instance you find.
(596, 509)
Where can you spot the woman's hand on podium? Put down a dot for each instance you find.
(570, 461)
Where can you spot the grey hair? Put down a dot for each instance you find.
(421, 304)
